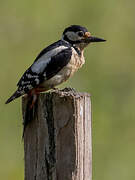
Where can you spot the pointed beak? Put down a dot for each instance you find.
(89, 38)
(95, 39)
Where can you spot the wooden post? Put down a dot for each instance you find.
(57, 142)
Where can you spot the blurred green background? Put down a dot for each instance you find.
(26, 27)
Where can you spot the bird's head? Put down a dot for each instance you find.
(79, 36)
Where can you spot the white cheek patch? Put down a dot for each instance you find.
(72, 36)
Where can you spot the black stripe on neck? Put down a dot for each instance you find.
(77, 50)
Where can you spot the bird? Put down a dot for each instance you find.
(56, 63)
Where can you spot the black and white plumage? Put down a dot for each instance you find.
(56, 63)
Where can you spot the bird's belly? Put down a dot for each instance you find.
(67, 71)
(60, 77)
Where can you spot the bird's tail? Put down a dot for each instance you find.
(14, 96)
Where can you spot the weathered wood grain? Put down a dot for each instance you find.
(57, 142)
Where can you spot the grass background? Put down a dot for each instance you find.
(109, 75)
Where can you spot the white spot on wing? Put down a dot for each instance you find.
(29, 75)
(22, 92)
(22, 82)
(25, 82)
(37, 81)
(42, 62)
(44, 74)
(29, 86)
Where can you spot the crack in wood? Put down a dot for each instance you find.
(50, 155)
(57, 142)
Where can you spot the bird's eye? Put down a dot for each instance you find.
(80, 33)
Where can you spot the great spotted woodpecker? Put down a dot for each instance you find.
(55, 64)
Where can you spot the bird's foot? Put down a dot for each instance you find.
(33, 101)
(55, 89)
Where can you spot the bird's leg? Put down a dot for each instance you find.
(34, 93)
(34, 98)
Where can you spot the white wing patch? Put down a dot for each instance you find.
(41, 63)
(39, 66)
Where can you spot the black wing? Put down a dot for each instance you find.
(51, 47)
(54, 64)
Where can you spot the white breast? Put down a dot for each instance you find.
(75, 63)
